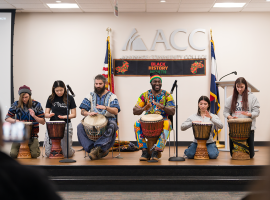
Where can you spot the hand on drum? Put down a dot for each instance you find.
(32, 113)
(101, 107)
(230, 117)
(149, 105)
(92, 113)
(246, 113)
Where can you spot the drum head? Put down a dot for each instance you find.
(28, 123)
(56, 122)
(151, 117)
(240, 120)
(97, 120)
(202, 123)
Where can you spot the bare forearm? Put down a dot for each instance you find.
(112, 110)
(169, 110)
(84, 113)
(10, 120)
(39, 120)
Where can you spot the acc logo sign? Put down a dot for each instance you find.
(137, 44)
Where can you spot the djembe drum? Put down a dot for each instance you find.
(201, 131)
(24, 151)
(152, 127)
(95, 126)
(239, 132)
(56, 131)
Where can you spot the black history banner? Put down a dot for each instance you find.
(183, 67)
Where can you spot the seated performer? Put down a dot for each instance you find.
(154, 101)
(203, 115)
(103, 102)
(57, 105)
(243, 104)
(26, 110)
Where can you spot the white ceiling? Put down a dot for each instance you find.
(137, 6)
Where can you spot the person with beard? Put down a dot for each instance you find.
(154, 101)
(104, 102)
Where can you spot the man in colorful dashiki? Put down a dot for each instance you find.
(103, 102)
(26, 110)
(154, 101)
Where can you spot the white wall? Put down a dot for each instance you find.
(71, 47)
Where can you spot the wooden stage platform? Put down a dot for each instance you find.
(130, 174)
(132, 158)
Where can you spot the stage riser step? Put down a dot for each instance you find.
(153, 186)
(154, 170)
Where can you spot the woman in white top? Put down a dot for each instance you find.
(243, 104)
(203, 115)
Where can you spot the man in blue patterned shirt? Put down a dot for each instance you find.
(103, 102)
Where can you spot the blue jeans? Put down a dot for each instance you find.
(211, 148)
(106, 141)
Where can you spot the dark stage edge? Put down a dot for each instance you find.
(154, 178)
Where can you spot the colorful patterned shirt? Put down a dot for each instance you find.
(23, 114)
(164, 98)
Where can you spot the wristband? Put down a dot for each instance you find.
(105, 107)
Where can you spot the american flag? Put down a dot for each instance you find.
(108, 69)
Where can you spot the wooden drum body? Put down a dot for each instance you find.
(201, 131)
(24, 151)
(239, 131)
(95, 126)
(56, 131)
(152, 127)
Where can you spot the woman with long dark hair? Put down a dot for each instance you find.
(243, 104)
(204, 115)
(56, 110)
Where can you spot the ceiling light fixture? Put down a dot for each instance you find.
(58, 1)
(229, 5)
(63, 5)
(162, 1)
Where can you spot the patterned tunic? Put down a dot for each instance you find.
(164, 98)
(23, 114)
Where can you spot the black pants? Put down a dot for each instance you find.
(250, 143)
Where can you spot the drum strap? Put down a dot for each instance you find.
(242, 147)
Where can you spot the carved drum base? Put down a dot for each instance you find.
(239, 155)
(150, 143)
(24, 151)
(201, 151)
(56, 150)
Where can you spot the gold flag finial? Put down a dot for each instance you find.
(108, 30)
(211, 34)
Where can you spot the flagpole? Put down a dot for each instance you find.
(217, 141)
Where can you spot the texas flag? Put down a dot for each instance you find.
(214, 94)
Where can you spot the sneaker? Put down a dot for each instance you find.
(145, 156)
(93, 155)
(154, 155)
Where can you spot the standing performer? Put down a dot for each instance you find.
(242, 104)
(26, 110)
(57, 105)
(203, 115)
(154, 101)
(103, 102)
